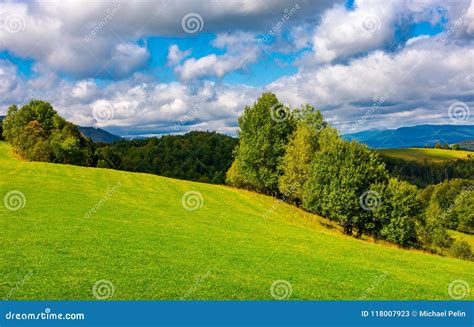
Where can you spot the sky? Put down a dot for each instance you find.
(148, 68)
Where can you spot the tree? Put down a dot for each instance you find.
(438, 145)
(434, 231)
(398, 212)
(461, 249)
(265, 129)
(446, 146)
(299, 153)
(37, 132)
(463, 211)
(445, 195)
(339, 182)
(456, 147)
(234, 177)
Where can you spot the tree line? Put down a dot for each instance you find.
(296, 155)
(197, 156)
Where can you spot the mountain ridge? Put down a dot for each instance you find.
(425, 135)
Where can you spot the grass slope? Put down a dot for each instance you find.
(430, 154)
(234, 247)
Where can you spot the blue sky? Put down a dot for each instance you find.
(134, 69)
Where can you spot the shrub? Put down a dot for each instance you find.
(396, 216)
(461, 249)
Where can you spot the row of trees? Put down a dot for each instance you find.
(446, 146)
(37, 132)
(296, 155)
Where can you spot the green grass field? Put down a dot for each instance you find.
(421, 154)
(141, 239)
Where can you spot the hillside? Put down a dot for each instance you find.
(414, 136)
(81, 225)
(430, 154)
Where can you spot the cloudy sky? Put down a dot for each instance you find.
(160, 67)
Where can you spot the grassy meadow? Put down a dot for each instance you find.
(430, 154)
(81, 225)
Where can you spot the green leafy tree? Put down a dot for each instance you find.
(342, 173)
(456, 147)
(265, 129)
(463, 211)
(435, 231)
(37, 132)
(398, 212)
(300, 152)
(444, 195)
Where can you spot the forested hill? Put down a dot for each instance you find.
(197, 156)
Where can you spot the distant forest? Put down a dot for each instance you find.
(428, 172)
(196, 156)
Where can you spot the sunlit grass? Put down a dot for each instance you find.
(142, 239)
(421, 154)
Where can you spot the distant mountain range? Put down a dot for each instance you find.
(99, 135)
(414, 136)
